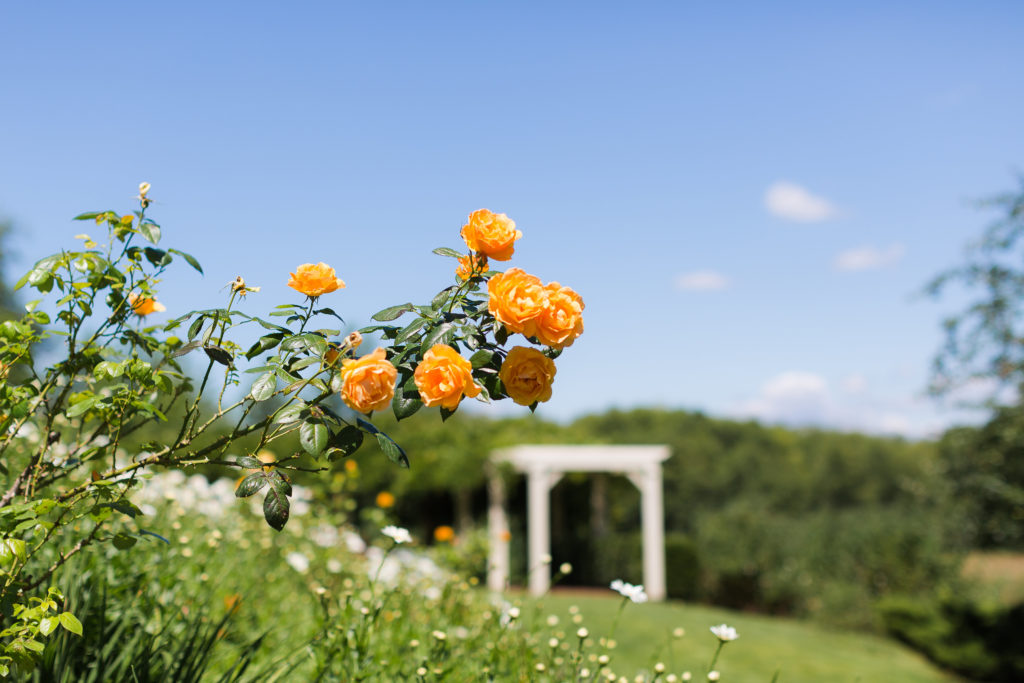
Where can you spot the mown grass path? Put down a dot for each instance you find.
(803, 652)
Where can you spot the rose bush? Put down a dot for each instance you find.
(72, 444)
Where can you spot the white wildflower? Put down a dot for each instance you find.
(628, 590)
(397, 534)
(298, 562)
(725, 633)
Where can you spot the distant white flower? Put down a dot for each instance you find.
(545, 559)
(397, 534)
(714, 675)
(628, 590)
(566, 568)
(725, 633)
(439, 635)
(582, 633)
(298, 562)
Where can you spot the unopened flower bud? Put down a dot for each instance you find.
(353, 340)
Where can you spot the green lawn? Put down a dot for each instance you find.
(802, 652)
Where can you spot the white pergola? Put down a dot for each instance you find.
(544, 467)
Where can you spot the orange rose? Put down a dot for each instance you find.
(368, 383)
(562, 319)
(314, 280)
(471, 265)
(385, 499)
(516, 300)
(142, 305)
(492, 234)
(527, 375)
(443, 377)
(444, 534)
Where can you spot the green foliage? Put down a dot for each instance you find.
(985, 467)
(8, 301)
(979, 641)
(682, 567)
(986, 340)
(71, 423)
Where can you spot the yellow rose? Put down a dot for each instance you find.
(516, 300)
(471, 265)
(142, 305)
(314, 280)
(562, 319)
(527, 375)
(443, 377)
(492, 234)
(368, 383)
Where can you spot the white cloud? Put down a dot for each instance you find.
(855, 383)
(701, 280)
(866, 258)
(805, 399)
(792, 397)
(795, 203)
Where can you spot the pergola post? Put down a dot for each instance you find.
(538, 485)
(653, 523)
(499, 563)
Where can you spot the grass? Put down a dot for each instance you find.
(802, 652)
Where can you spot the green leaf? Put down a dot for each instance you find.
(438, 301)
(313, 437)
(68, 621)
(345, 442)
(248, 462)
(445, 413)
(392, 450)
(442, 334)
(218, 355)
(251, 485)
(264, 386)
(151, 231)
(276, 508)
(107, 369)
(158, 257)
(265, 343)
(500, 335)
(189, 258)
(448, 251)
(393, 313)
(193, 329)
(186, 348)
(123, 541)
(406, 401)
(82, 406)
(409, 330)
(48, 625)
(90, 216)
(481, 358)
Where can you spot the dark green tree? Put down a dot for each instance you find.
(8, 302)
(986, 339)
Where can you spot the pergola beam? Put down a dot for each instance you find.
(544, 467)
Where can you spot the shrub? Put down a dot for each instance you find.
(979, 641)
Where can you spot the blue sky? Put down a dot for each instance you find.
(747, 195)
